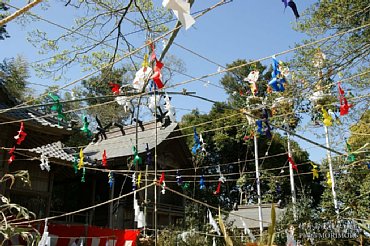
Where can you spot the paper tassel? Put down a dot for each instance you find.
(344, 106)
(202, 183)
(110, 179)
(104, 159)
(134, 181)
(328, 177)
(157, 76)
(148, 155)
(178, 178)
(138, 180)
(185, 185)
(44, 165)
(202, 144)
(145, 63)
(81, 162)
(115, 88)
(247, 231)
(163, 188)
(45, 239)
(350, 156)
(85, 126)
(83, 175)
(218, 189)
(170, 110)
(213, 241)
(161, 180)
(228, 240)
(21, 134)
(196, 145)
(259, 127)
(315, 172)
(57, 107)
(12, 156)
(181, 9)
(141, 77)
(213, 223)
(137, 158)
(327, 118)
(276, 83)
(291, 161)
(293, 6)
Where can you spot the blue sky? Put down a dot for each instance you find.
(238, 30)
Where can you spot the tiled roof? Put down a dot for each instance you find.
(117, 145)
(19, 114)
(251, 211)
(54, 150)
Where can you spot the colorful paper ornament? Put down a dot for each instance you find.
(163, 188)
(181, 9)
(44, 165)
(185, 186)
(202, 184)
(178, 178)
(277, 81)
(85, 126)
(350, 156)
(138, 180)
(81, 162)
(21, 134)
(171, 113)
(145, 63)
(111, 179)
(83, 175)
(252, 79)
(213, 223)
(328, 181)
(162, 182)
(315, 172)
(259, 126)
(344, 106)
(161, 179)
(327, 118)
(57, 107)
(75, 162)
(291, 161)
(218, 189)
(148, 155)
(141, 76)
(115, 88)
(157, 76)
(104, 159)
(196, 145)
(12, 156)
(293, 6)
(137, 158)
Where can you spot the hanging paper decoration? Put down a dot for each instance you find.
(134, 181)
(202, 184)
(350, 156)
(171, 113)
(196, 142)
(185, 186)
(252, 79)
(267, 124)
(137, 158)
(157, 76)
(44, 165)
(115, 88)
(45, 239)
(148, 155)
(21, 134)
(181, 9)
(57, 107)
(259, 126)
(247, 231)
(83, 175)
(104, 159)
(12, 156)
(153, 101)
(327, 118)
(110, 179)
(293, 6)
(139, 215)
(344, 106)
(213, 223)
(81, 162)
(291, 161)
(178, 178)
(141, 77)
(85, 126)
(315, 172)
(125, 102)
(162, 183)
(75, 163)
(328, 177)
(202, 144)
(138, 180)
(276, 83)
(218, 189)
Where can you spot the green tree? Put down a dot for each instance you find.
(13, 75)
(3, 33)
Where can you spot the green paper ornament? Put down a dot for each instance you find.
(137, 158)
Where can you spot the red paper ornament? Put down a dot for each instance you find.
(104, 159)
(294, 166)
(218, 189)
(21, 134)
